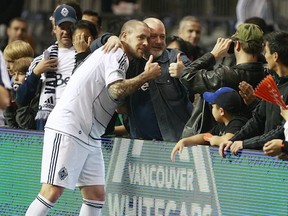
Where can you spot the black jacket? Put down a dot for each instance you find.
(266, 123)
(198, 78)
(17, 116)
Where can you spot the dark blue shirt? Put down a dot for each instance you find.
(143, 121)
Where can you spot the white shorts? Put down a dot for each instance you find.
(67, 163)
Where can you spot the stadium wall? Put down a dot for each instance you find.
(141, 179)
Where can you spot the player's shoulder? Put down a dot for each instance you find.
(119, 55)
(120, 52)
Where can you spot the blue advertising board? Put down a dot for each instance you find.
(141, 179)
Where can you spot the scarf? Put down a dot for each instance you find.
(47, 99)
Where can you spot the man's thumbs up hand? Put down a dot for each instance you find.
(153, 70)
(175, 69)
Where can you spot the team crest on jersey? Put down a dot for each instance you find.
(63, 173)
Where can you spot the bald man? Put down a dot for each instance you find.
(161, 107)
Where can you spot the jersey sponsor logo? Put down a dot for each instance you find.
(145, 86)
(53, 82)
(63, 173)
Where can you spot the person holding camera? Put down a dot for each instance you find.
(247, 44)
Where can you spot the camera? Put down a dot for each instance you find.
(46, 54)
(231, 48)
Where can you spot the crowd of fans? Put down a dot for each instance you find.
(181, 105)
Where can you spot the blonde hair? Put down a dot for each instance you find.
(18, 49)
(21, 65)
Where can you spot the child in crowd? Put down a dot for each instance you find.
(12, 52)
(17, 116)
(226, 109)
(15, 50)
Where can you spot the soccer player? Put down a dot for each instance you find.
(72, 153)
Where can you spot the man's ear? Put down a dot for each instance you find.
(275, 56)
(123, 36)
(54, 27)
(178, 31)
(222, 111)
(237, 45)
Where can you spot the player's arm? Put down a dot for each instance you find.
(122, 88)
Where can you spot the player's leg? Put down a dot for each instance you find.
(49, 194)
(62, 162)
(91, 183)
(93, 200)
(45, 200)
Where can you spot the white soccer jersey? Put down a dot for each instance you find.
(85, 107)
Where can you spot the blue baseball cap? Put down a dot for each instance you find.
(65, 13)
(225, 97)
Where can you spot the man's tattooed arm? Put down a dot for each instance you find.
(122, 88)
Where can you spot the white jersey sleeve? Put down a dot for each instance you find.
(115, 66)
(286, 131)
